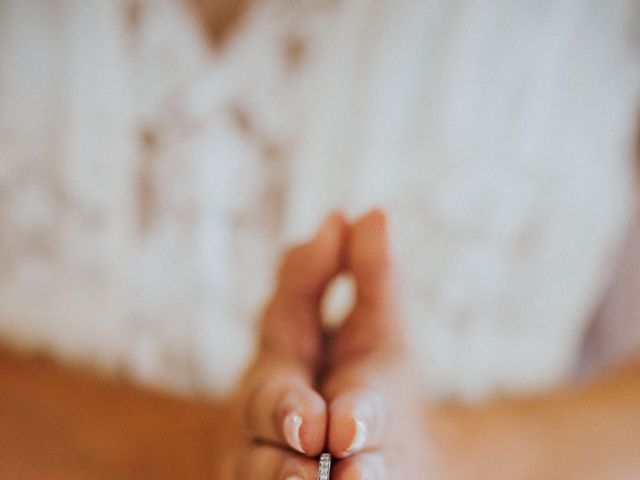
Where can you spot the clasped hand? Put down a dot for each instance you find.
(350, 392)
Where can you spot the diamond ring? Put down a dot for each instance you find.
(325, 467)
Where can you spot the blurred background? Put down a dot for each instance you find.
(156, 156)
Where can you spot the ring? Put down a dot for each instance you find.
(325, 466)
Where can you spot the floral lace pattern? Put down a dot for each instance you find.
(148, 182)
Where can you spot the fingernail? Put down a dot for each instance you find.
(359, 437)
(292, 424)
(294, 477)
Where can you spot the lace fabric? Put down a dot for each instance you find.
(149, 182)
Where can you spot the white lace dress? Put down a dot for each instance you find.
(148, 181)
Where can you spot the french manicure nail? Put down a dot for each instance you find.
(359, 437)
(292, 424)
(294, 477)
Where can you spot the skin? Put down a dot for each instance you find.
(360, 379)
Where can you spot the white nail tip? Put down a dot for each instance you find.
(359, 437)
(292, 424)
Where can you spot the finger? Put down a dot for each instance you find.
(291, 324)
(369, 259)
(364, 396)
(365, 351)
(375, 321)
(264, 462)
(306, 268)
(366, 377)
(366, 466)
(280, 403)
(282, 407)
(358, 420)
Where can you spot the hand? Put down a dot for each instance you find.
(376, 417)
(369, 414)
(286, 417)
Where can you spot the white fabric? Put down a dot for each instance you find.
(148, 182)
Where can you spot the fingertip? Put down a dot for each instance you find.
(329, 240)
(346, 433)
(313, 432)
(303, 420)
(314, 427)
(369, 253)
(333, 220)
(375, 216)
(283, 409)
(355, 423)
(307, 268)
(374, 222)
(372, 225)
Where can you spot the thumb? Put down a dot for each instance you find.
(291, 326)
(369, 259)
(375, 321)
(368, 352)
(280, 402)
